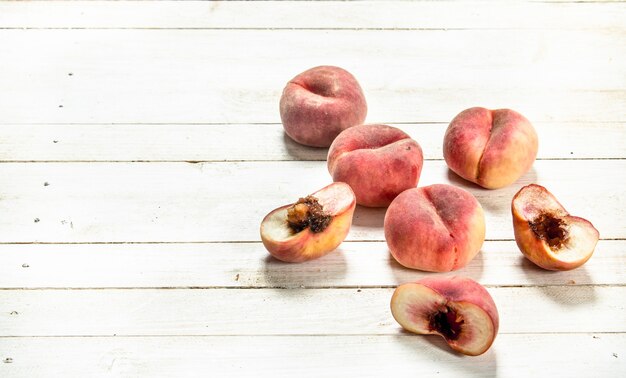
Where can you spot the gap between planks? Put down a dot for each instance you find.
(617, 333)
(356, 29)
(216, 242)
(240, 160)
(301, 287)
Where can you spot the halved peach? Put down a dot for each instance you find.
(311, 227)
(547, 234)
(456, 308)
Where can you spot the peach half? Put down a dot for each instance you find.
(547, 234)
(320, 103)
(458, 309)
(437, 228)
(311, 227)
(492, 148)
(377, 161)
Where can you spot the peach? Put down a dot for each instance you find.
(458, 309)
(377, 161)
(311, 227)
(547, 234)
(436, 228)
(320, 103)
(492, 148)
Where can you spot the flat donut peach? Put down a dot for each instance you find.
(377, 161)
(436, 228)
(492, 148)
(320, 103)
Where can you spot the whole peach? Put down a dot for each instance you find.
(491, 148)
(437, 228)
(377, 161)
(320, 103)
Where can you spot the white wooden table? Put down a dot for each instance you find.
(141, 145)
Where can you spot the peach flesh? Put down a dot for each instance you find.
(313, 232)
(492, 148)
(436, 228)
(458, 309)
(547, 234)
(320, 103)
(377, 161)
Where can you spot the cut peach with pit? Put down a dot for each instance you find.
(377, 161)
(311, 227)
(437, 228)
(492, 148)
(458, 309)
(547, 234)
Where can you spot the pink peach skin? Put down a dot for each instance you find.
(436, 228)
(320, 103)
(377, 161)
(492, 148)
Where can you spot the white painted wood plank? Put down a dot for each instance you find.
(248, 265)
(73, 80)
(226, 76)
(403, 355)
(150, 312)
(181, 202)
(242, 142)
(363, 14)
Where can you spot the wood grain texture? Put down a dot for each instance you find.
(216, 202)
(366, 356)
(205, 76)
(140, 146)
(149, 312)
(266, 142)
(248, 265)
(314, 14)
